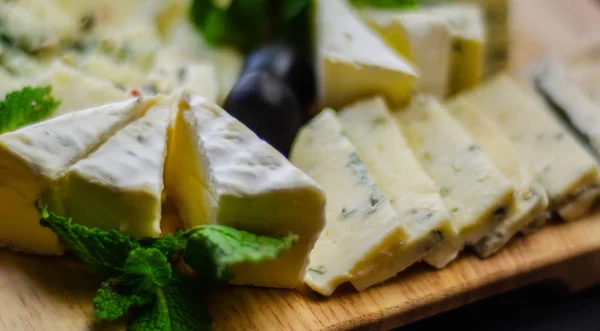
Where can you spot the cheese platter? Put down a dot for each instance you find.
(205, 188)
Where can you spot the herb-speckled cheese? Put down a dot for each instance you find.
(567, 171)
(412, 193)
(473, 189)
(120, 186)
(530, 198)
(34, 159)
(353, 62)
(219, 171)
(362, 228)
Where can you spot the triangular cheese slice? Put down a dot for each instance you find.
(353, 62)
(120, 185)
(32, 165)
(220, 172)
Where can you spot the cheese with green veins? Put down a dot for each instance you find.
(199, 79)
(220, 172)
(567, 171)
(107, 68)
(422, 37)
(77, 90)
(33, 161)
(473, 189)
(353, 62)
(120, 186)
(412, 193)
(530, 198)
(362, 229)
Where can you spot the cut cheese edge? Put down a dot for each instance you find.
(120, 186)
(412, 193)
(422, 37)
(563, 166)
(474, 191)
(34, 159)
(362, 228)
(530, 198)
(220, 172)
(353, 62)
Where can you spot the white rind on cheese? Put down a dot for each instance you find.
(530, 198)
(412, 193)
(424, 38)
(473, 189)
(120, 186)
(353, 62)
(362, 228)
(562, 164)
(33, 162)
(220, 172)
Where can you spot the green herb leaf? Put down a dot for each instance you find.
(146, 269)
(212, 249)
(29, 105)
(385, 3)
(179, 306)
(169, 244)
(103, 252)
(112, 300)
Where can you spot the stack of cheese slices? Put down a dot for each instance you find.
(414, 156)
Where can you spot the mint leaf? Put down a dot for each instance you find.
(113, 301)
(146, 269)
(103, 252)
(212, 249)
(29, 105)
(179, 306)
(169, 244)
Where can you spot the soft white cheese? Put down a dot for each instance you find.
(219, 171)
(412, 193)
(473, 189)
(34, 159)
(362, 229)
(353, 62)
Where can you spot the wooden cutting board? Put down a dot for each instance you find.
(55, 293)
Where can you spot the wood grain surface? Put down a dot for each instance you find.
(55, 293)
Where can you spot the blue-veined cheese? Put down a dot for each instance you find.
(422, 37)
(220, 172)
(412, 193)
(103, 66)
(530, 198)
(362, 229)
(353, 62)
(34, 159)
(120, 185)
(567, 171)
(77, 90)
(473, 189)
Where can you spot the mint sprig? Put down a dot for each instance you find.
(141, 282)
(26, 106)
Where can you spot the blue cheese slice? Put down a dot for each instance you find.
(567, 171)
(120, 186)
(530, 198)
(34, 159)
(77, 90)
(422, 37)
(353, 62)
(412, 193)
(362, 229)
(475, 192)
(220, 172)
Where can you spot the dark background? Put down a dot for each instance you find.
(533, 308)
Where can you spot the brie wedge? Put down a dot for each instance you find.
(567, 171)
(34, 159)
(353, 62)
(362, 229)
(412, 193)
(473, 189)
(120, 186)
(220, 172)
(530, 198)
